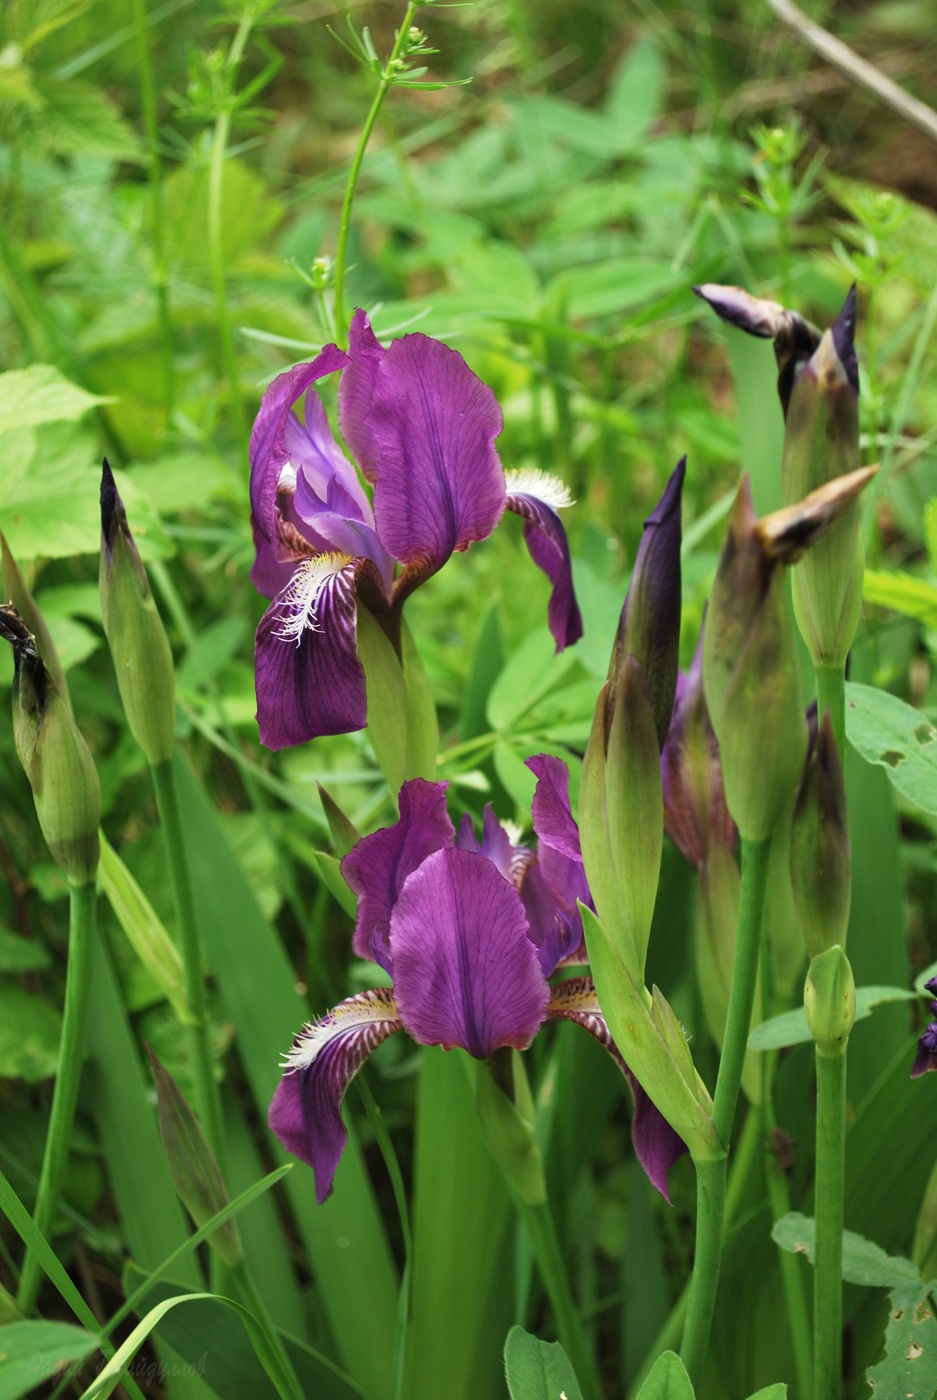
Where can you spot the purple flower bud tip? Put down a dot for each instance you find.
(926, 1057)
(670, 500)
(844, 339)
(931, 986)
(739, 308)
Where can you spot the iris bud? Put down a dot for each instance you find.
(192, 1164)
(821, 441)
(830, 1001)
(54, 756)
(820, 864)
(795, 338)
(135, 633)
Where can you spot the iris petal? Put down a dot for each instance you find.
(657, 1145)
(380, 863)
(549, 549)
(309, 678)
(306, 1112)
(465, 971)
(356, 391)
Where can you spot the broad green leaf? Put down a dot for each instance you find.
(909, 1369)
(77, 119)
(636, 94)
(888, 732)
(21, 954)
(538, 1370)
(610, 288)
(30, 1030)
(667, 1380)
(143, 929)
(903, 593)
(864, 1262)
(790, 1028)
(248, 211)
(30, 1352)
(41, 394)
(532, 672)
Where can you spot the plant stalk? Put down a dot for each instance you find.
(81, 935)
(828, 1208)
(831, 695)
(711, 1176)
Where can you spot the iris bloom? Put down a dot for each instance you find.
(422, 428)
(470, 931)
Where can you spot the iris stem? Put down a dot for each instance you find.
(81, 934)
(831, 695)
(828, 1197)
(541, 1232)
(388, 74)
(711, 1176)
(154, 175)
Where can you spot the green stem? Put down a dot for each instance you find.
(344, 225)
(711, 1176)
(81, 935)
(541, 1232)
(792, 1277)
(207, 1096)
(154, 172)
(828, 1210)
(831, 695)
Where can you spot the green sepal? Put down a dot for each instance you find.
(508, 1124)
(144, 931)
(598, 857)
(684, 1102)
(830, 1001)
(345, 835)
(402, 724)
(192, 1165)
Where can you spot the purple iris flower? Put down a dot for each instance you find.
(926, 1057)
(470, 931)
(422, 429)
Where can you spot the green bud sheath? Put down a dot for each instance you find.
(192, 1164)
(830, 1001)
(599, 859)
(135, 633)
(508, 1123)
(820, 864)
(54, 756)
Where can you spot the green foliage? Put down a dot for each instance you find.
(892, 734)
(537, 1370)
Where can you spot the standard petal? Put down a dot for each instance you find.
(380, 863)
(465, 971)
(308, 676)
(268, 451)
(440, 484)
(320, 462)
(356, 391)
(656, 1144)
(306, 1112)
(552, 814)
(549, 548)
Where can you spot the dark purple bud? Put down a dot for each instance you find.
(844, 339)
(795, 339)
(926, 1057)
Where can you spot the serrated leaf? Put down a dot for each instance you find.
(909, 1368)
(864, 1262)
(538, 1370)
(41, 394)
(790, 1028)
(667, 1380)
(30, 1352)
(886, 731)
(77, 119)
(30, 1030)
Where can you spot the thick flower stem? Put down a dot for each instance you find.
(541, 1232)
(344, 225)
(828, 1195)
(207, 1096)
(711, 1176)
(831, 695)
(81, 934)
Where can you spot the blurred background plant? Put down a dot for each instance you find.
(172, 177)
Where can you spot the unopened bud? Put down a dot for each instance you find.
(54, 756)
(192, 1164)
(795, 339)
(135, 633)
(830, 1001)
(820, 864)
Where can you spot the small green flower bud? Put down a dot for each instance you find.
(820, 864)
(192, 1164)
(508, 1123)
(135, 633)
(54, 756)
(830, 1001)
(821, 441)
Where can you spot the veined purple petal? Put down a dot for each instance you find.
(495, 844)
(657, 1145)
(270, 572)
(308, 676)
(552, 814)
(378, 866)
(268, 451)
(536, 497)
(320, 463)
(440, 485)
(306, 1112)
(356, 391)
(465, 971)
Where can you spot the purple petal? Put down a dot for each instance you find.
(926, 1057)
(552, 814)
(379, 865)
(306, 1112)
(356, 392)
(440, 485)
(311, 682)
(844, 338)
(495, 844)
(695, 812)
(319, 461)
(270, 572)
(268, 450)
(657, 1145)
(465, 971)
(549, 549)
(739, 308)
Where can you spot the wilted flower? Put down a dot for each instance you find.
(469, 931)
(422, 428)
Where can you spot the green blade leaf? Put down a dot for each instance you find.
(33, 1351)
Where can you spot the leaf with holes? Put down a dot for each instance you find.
(886, 731)
(909, 1366)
